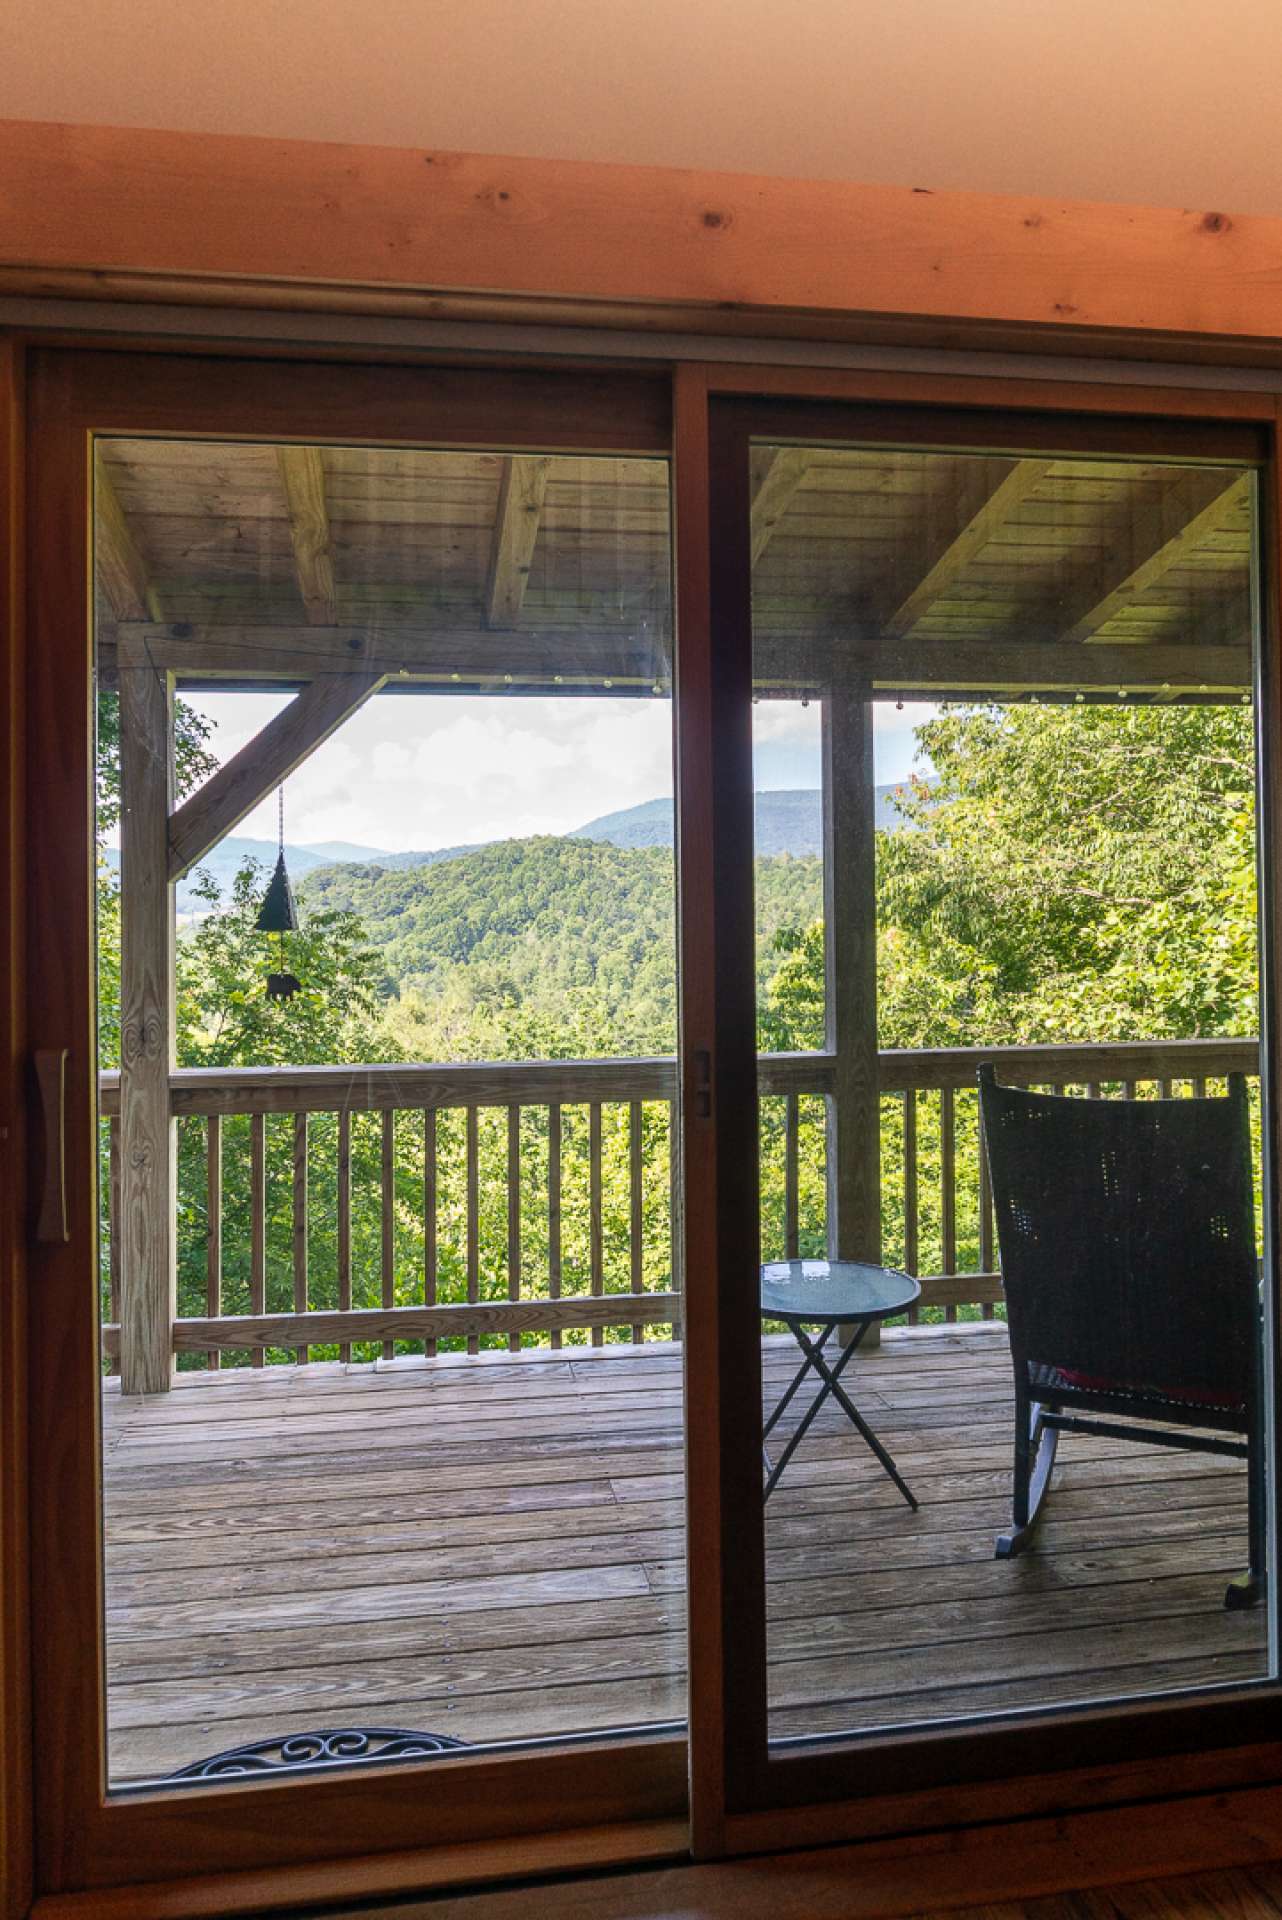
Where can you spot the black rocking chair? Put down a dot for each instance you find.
(1127, 1238)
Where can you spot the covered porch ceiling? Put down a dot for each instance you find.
(923, 574)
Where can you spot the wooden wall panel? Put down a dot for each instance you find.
(137, 213)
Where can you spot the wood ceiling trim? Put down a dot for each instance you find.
(212, 218)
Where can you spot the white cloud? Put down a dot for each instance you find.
(422, 770)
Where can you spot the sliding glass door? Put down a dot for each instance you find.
(596, 988)
(1004, 1238)
(361, 1380)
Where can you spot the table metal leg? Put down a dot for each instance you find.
(831, 1378)
(811, 1354)
(833, 1385)
(800, 1375)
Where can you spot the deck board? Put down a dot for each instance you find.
(493, 1548)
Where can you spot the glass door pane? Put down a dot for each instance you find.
(391, 1396)
(1005, 773)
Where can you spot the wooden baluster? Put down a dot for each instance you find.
(911, 1254)
(636, 1210)
(948, 1187)
(554, 1211)
(344, 1238)
(514, 1215)
(429, 1214)
(300, 1224)
(1199, 1087)
(791, 1177)
(387, 1195)
(257, 1221)
(113, 1231)
(596, 1248)
(1128, 1089)
(987, 1261)
(473, 1221)
(1164, 1090)
(214, 1228)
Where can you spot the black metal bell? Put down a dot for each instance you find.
(283, 986)
(278, 913)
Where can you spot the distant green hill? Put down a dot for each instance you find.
(540, 921)
(229, 856)
(788, 820)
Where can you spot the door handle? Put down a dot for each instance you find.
(51, 1083)
(702, 1084)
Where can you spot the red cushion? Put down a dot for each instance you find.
(1097, 1383)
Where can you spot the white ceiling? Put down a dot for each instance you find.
(1168, 102)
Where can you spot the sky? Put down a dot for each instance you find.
(419, 771)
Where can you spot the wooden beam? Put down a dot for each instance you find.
(977, 528)
(148, 1136)
(785, 660)
(1163, 540)
(120, 568)
(302, 472)
(522, 491)
(262, 763)
(786, 469)
(146, 214)
(999, 666)
(408, 651)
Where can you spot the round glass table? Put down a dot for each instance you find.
(825, 1295)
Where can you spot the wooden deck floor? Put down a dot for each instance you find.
(492, 1549)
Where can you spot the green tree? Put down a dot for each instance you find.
(1072, 873)
(223, 1014)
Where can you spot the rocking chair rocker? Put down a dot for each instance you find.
(1127, 1238)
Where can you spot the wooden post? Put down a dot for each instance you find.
(148, 1135)
(850, 977)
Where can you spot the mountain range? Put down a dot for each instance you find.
(788, 821)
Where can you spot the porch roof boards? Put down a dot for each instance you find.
(909, 572)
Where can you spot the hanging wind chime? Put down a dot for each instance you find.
(278, 915)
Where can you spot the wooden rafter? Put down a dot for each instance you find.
(1197, 505)
(787, 469)
(522, 492)
(263, 762)
(120, 567)
(302, 471)
(977, 528)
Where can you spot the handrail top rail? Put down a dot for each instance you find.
(394, 1085)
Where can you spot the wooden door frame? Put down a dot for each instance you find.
(85, 1838)
(15, 1700)
(880, 1784)
(1073, 1779)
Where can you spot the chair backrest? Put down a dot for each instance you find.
(1127, 1236)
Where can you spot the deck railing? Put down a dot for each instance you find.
(327, 1208)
